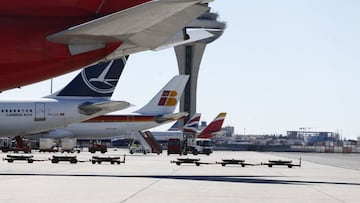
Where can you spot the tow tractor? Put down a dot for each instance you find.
(20, 145)
(111, 159)
(97, 147)
(225, 162)
(282, 163)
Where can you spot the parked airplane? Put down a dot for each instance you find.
(175, 132)
(159, 111)
(86, 96)
(213, 128)
(191, 127)
(44, 39)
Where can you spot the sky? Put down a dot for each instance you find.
(280, 65)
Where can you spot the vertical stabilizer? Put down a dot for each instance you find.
(213, 127)
(167, 98)
(98, 80)
(192, 125)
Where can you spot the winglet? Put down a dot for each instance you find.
(165, 101)
(213, 127)
(98, 80)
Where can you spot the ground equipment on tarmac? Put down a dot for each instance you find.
(287, 163)
(57, 158)
(111, 159)
(97, 147)
(11, 158)
(225, 162)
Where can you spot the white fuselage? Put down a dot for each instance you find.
(25, 117)
(103, 127)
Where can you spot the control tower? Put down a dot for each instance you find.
(189, 57)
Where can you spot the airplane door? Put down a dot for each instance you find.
(39, 111)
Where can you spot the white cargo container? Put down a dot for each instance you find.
(68, 145)
(46, 144)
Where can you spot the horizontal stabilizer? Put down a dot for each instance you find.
(89, 108)
(146, 25)
(192, 36)
(171, 117)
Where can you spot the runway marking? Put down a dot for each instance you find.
(215, 178)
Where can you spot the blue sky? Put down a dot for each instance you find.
(280, 65)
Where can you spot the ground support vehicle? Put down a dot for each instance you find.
(47, 145)
(20, 145)
(11, 158)
(174, 146)
(197, 146)
(289, 164)
(111, 159)
(69, 145)
(56, 159)
(225, 162)
(96, 147)
(138, 147)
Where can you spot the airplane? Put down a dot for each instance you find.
(158, 111)
(175, 132)
(44, 39)
(213, 128)
(191, 128)
(86, 96)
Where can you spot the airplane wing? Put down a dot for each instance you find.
(89, 108)
(147, 25)
(171, 117)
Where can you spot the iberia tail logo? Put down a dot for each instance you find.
(168, 98)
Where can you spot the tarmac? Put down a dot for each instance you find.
(153, 178)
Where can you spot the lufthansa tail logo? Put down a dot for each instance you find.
(99, 82)
(168, 98)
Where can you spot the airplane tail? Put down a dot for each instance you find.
(97, 81)
(166, 99)
(174, 127)
(192, 125)
(213, 127)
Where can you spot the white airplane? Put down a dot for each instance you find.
(159, 111)
(86, 96)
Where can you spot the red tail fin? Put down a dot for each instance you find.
(213, 127)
